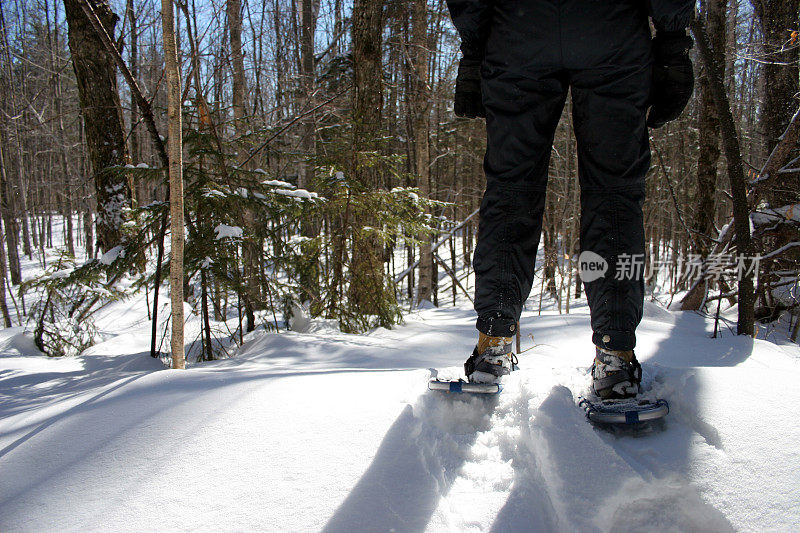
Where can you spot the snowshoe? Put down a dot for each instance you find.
(626, 411)
(616, 384)
(483, 369)
(459, 385)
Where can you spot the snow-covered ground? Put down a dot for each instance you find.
(334, 432)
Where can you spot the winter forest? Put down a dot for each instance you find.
(284, 185)
(325, 173)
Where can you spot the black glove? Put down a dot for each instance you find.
(673, 77)
(467, 101)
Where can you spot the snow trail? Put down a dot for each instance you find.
(334, 432)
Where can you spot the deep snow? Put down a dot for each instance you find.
(335, 432)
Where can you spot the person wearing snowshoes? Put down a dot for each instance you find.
(519, 60)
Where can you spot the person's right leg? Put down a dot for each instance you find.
(610, 89)
(522, 113)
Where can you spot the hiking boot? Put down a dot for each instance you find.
(491, 359)
(616, 375)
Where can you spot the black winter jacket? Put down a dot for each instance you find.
(473, 18)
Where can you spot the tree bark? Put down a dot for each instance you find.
(63, 149)
(12, 195)
(781, 77)
(3, 304)
(234, 11)
(308, 25)
(420, 108)
(10, 226)
(730, 143)
(366, 268)
(703, 227)
(309, 10)
(714, 13)
(250, 253)
(133, 59)
(95, 72)
(175, 148)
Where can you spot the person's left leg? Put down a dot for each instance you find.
(609, 109)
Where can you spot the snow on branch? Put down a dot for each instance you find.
(224, 231)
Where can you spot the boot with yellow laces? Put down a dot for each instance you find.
(492, 358)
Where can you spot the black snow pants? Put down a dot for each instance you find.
(537, 50)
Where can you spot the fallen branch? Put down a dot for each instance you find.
(777, 160)
(452, 276)
(780, 250)
(441, 241)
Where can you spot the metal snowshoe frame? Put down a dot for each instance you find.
(464, 386)
(630, 411)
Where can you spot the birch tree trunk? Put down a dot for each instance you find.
(175, 147)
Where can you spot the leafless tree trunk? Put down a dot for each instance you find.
(175, 181)
(3, 304)
(703, 228)
(736, 176)
(309, 10)
(67, 211)
(308, 26)
(95, 71)
(420, 109)
(714, 13)
(778, 18)
(11, 194)
(250, 253)
(366, 269)
(133, 60)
